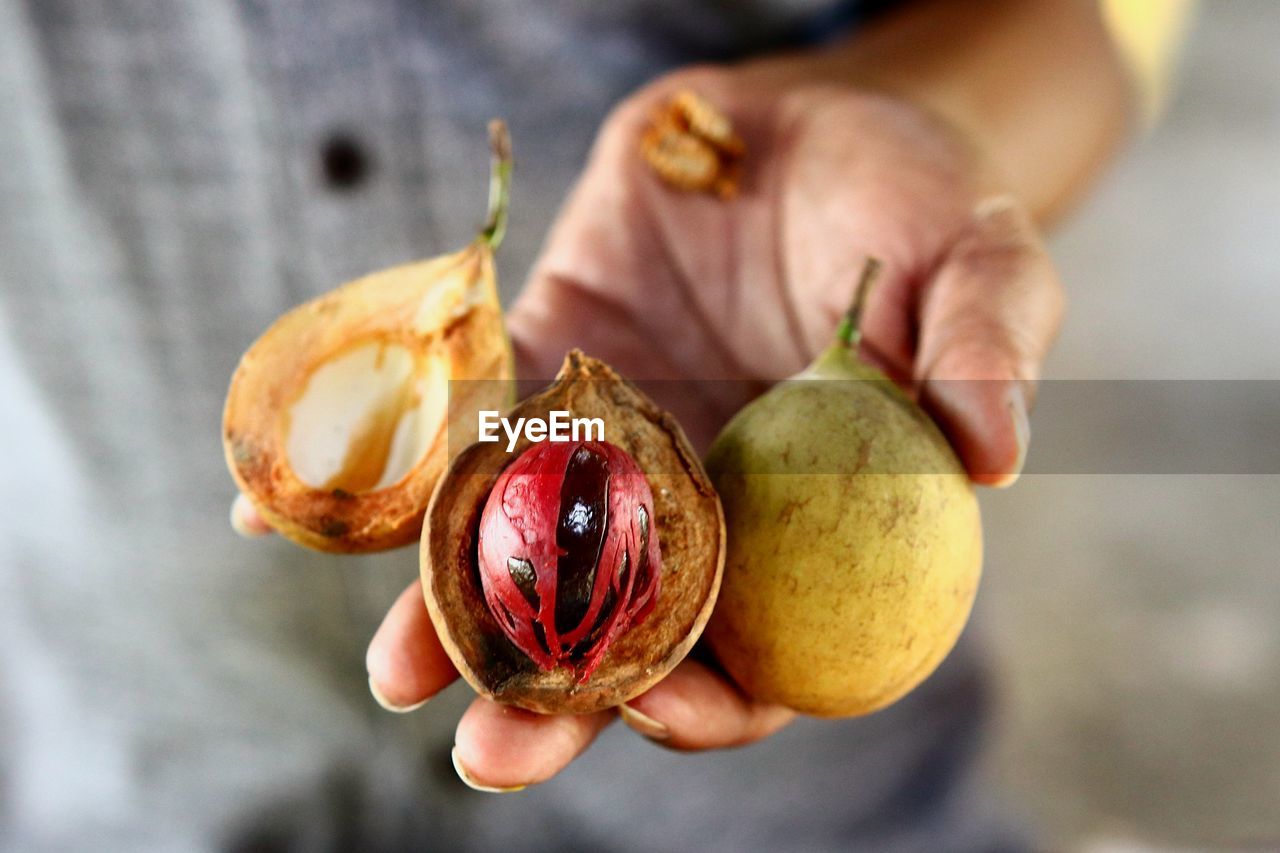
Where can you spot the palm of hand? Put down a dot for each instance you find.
(731, 296)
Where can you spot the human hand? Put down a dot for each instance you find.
(668, 285)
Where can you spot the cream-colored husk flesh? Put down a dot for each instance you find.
(366, 416)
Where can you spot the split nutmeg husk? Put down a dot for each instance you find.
(692, 146)
(337, 420)
(688, 522)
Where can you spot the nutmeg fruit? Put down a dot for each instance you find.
(571, 577)
(337, 421)
(855, 538)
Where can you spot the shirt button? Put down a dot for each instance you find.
(344, 163)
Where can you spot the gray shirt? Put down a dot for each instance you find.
(175, 174)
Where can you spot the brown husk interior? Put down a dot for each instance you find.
(689, 523)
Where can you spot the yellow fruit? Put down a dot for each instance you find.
(854, 541)
(339, 422)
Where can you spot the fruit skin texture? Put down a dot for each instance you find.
(855, 543)
(687, 519)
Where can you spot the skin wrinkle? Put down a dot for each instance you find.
(758, 149)
(1018, 255)
(917, 368)
(897, 296)
(735, 300)
(786, 286)
(747, 719)
(959, 255)
(565, 738)
(561, 284)
(623, 127)
(655, 230)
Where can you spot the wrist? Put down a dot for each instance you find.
(1037, 84)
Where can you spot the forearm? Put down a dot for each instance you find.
(1038, 84)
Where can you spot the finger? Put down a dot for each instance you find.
(501, 748)
(246, 520)
(406, 663)
(987, 321)
(696, 708)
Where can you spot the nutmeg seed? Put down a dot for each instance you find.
(568, 557)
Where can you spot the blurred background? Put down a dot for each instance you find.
(1136, 618)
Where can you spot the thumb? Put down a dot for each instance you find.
(986, 323)
(246, 520)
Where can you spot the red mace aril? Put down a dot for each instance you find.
(568, 556)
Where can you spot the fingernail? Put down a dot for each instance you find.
(245, 520)
(388, 705)
(644, 724)
(476, 786)
(1021, 433)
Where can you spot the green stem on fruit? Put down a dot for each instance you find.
(495, 226)
(850, 332)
